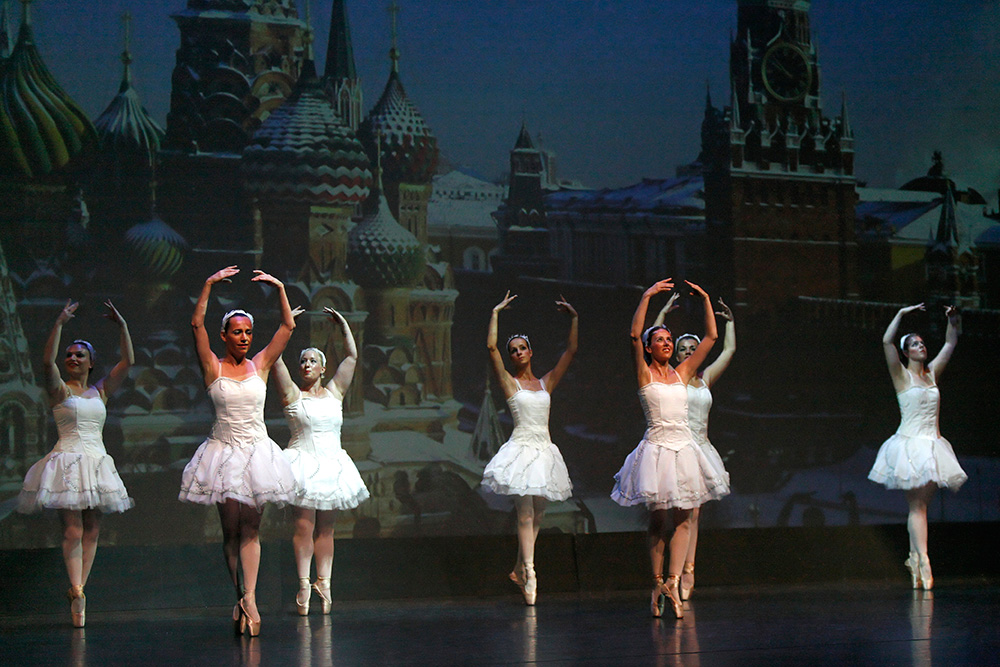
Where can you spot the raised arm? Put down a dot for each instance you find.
(638, 323)
(341, 380)
(718, 367)
(290, 391)
(54, 385)
(496, 359)
(689, 367)
(950, 341)
(113, 380)
(668, 308)
(207, 360)
(553, 377)
(889, 342)
(266, 357)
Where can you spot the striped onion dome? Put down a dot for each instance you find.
(127, 136)
(409, 150)
(382, 253)
(155, 249)
(303, 151)
(42, 130)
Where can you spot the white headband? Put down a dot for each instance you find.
(90, 348)
(902, 341)
(233, 313)
(519, 336)
(648, 333)
(322, 357)
(687, 335)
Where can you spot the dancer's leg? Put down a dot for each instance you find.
(657, 540)
(679, 540)
(250, 557)
(91, 519)
(687, 575)
(525, 530)
(916, 521)
(72, 544)
(325, 521)
(229, 517)
(302, 540)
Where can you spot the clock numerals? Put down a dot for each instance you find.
(786, 73)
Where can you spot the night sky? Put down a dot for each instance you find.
(615, 87)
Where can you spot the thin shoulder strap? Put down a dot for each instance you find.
(518, 384)
(253, 369)
(541, 381)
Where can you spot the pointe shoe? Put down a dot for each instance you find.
(657, 598)
(239, 620)
(670, 588)
(322, 587)
(687, 581)
(913, 565)
(926, 576)
(303, 596)
(252, 626)
(77, 606)
(530, 588)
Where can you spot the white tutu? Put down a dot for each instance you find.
(77, 474)
(699, 405)
(529, 464)
(326, 477)
(917, 454)
(667, 469)
(238, 461)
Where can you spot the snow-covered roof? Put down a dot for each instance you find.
(668, 195)
(912, 217)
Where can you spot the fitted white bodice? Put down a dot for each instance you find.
(315, 422)
(239, 410)
(80, 421)
(530, 411)
(919, 407)
(699, 405)
(666, 410)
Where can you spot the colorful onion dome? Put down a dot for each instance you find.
(303, 152)
(127, 136)
(382, 253)
(409, 150)
(43, 132)
(155, 249)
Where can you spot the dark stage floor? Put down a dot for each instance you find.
(768, 625)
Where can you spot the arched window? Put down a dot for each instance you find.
(474, 259)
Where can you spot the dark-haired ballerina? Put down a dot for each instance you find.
(668, 472)
(239, 468)
(77, 477)
(326, 476)
(528, 466)
(699, 404)
(916, 458)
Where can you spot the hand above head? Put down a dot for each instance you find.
(664, 285)
(297, 310)
(726, 313)
(909, 309)
(223, 275)
(506, 302)
(113, 314)
(951, 312)
(66, 314)
(672, 304)
(335, 315)
(563, 305)
(263, 277)
(696, 289)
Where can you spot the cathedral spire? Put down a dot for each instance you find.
(6, 35)
(947, 230)
(734, 115)
(339, 50)
(126, 53)
(308, 36)
(394, 51)
(845, 122)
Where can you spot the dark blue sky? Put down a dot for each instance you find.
(616, 87)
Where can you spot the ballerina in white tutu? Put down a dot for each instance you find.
(77, 477)
(699, 404)
(528, 466)
(668, 472)
(239, 468)
(326, 477)
(916, 458)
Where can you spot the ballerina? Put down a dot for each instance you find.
(667, 471)
(327, 479)
(239, 468)
(699, 405)
(77, 477)
(916, 458)
(528, 466)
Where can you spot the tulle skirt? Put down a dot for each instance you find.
(525, 470)
(908, 462)
(715, 460)
(330, 481)
(662, 478)
(252, 475)
(73, 481)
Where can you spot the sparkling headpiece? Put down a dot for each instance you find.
(519, 336)
(233, 313)
(90, 348)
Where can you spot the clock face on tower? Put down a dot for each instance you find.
(786, 72)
